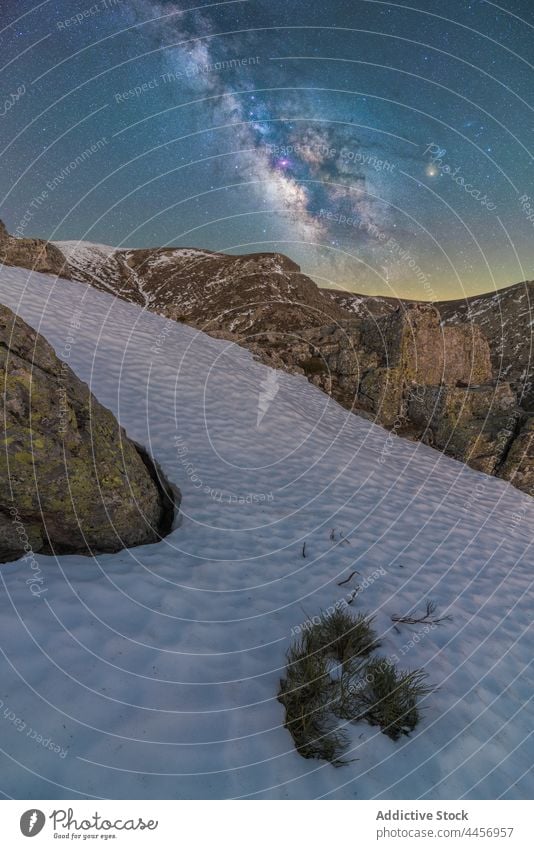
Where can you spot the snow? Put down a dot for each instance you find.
(85, 252)
(100, 262)
(155, 670)
(82, 253)
(173, 254)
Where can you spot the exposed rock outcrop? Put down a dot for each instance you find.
(505, 317)
(475, 424)
(33, 254)
(70, 479)
(414, 350)
(518, 466)
(406, 371)
(374, 364)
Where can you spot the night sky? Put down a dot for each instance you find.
(386, 147)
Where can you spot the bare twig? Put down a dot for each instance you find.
(352, 574)
(343, 539)
(304, 550)
(427, 619)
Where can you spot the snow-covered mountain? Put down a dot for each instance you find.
(264, 293)
(240, 294)
(154, 672)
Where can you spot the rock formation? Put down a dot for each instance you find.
(70, 479)
(33, 254)
(429, 382)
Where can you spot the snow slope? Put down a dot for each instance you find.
(155, 670)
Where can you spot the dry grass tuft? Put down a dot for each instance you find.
(330, 680)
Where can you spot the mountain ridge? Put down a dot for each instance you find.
(454, 375)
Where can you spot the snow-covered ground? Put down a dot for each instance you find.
(155, 670)
(88, 251)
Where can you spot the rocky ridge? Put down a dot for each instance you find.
(439, 373)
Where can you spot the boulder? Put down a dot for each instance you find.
(475, 424)
(70, 479)
(518, 466)
(33, 254)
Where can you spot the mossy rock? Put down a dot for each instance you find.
(69, 475)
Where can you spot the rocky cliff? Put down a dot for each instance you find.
(506, 318)
(70, 479)
(423, 380)
(34, 254)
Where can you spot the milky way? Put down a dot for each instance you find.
(385, 147)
